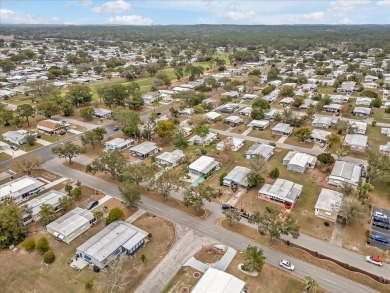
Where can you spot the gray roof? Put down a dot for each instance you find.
(238, 175)
(113, 236)
(215, 281)
(51, 198)
(71, 221)
(322, 120)
(329, 200)
(102, 111)
(347, 171)
(283, 189)
(362, 110)
(356, 140)
(18, 187)
(260, 149)
(320, 134)
(385, 147)
(171, 157)
(144, 148)
(16, 135)
(283, 127)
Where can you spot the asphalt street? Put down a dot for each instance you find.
(326, 279)
(380, 231)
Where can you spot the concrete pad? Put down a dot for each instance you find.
(282, 139)
(14, 154)
(74, 131)
(337, 234)
(246, 132)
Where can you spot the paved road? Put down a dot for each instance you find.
(285, 146)
(326, 279)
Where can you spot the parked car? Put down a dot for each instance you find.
(374, 260)
(383, 220)
(92, 204)
(227, 207)
(322, 144)
(380, 215)
(14, 147)
(287, 265)
(379, 238)
(381, 225)
(115, 129)
(363, 172)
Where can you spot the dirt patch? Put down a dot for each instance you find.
(174, 203)
(209, 255)
(184, 278)
(305, 256)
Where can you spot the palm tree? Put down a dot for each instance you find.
(311, 284)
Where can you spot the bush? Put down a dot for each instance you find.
(272, 144)
(114, 215)
(150, 235)
(49, 257)
(29, 244)
(42, 245)
(326, 224)
(373, 123)
(316, 253)
(88, 283)
(274, 173)
(368, 240)
(223, 175)
(368, 233)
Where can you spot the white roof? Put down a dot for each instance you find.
(356, 139)
(19, 187)
(215, 281)
(212, 115)
(71, 221)
(346, 171)
(51, 198)
(283, 189)
(329, 200)
(115, 235)
(204, 164)
(301, 159)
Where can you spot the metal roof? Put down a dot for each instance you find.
(113, 236)
(144, 148)
(347, 171)
(329, 200)
(18, 187)
(283, 189)
(356, 140)
(204, 164)
(238, 175)
(71, 221)
(171, 157)
(51, 198)
(215, 281)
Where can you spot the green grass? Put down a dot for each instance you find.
(264, 134)
(327, 90)
(293, 140)
(376, 138)
(4, 157)
(380, 115)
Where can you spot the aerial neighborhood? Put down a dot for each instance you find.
(122, 155)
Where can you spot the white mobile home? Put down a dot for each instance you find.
(20, 189)
(71, 225)
(118, 144)
(299, 162)
(109, 243)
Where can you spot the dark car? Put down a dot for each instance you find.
(227, 206)
(381, 225)
(92, 204)
(363, 172)
(382, 220)
(379, 238)
(14, 147)
(115, 129)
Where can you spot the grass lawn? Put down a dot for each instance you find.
(380, 115)
(4, 157)
(327, 90)
(293, 140)
(264, 134)
(376, 138)
(184, 278)
(380, 196)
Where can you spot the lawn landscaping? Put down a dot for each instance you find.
(184, 278)
(304, 256)
(4, 157)
(264, 134)
(293, 140)
(380, 115)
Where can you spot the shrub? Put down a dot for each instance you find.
(150, 235)
(272, 144)
(368, 240)
(88, 283)
(203, 151)
(373, 123)
(223, 175)
(42, 245)
(326, 224)
(114, 215)
(29, 244)
(274, 173)
(316, 253)
(368, 233)
(49, 257)
(143, 257)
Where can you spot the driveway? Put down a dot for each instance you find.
(188, 242)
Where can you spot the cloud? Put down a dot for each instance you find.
(347, 5)
(130, 20)
(113, 7)
(239, 15)
(12, 17)
(345, 20)
(314, 17)
(86, 2)
(383, 3)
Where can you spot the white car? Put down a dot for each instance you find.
(286, 264)
(374, 260)
(380, 215)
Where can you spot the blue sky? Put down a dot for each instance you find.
(147, 12)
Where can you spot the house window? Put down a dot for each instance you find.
(86, 257)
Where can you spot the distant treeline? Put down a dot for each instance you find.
(301, 37)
